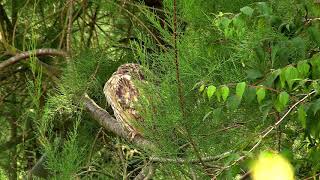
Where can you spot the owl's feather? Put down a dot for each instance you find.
(122, 95)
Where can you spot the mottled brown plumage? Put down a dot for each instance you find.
(122, 95)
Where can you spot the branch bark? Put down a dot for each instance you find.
(28, 54)
(69, 28)
(111, 124)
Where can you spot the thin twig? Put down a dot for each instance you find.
(190, 161)
(312, 177)
(142, 24)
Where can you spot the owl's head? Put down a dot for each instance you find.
(134, 70)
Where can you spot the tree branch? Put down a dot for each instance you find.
(111, 124)
(192, 161)
(27, 54)
(4, 18)
(69, 28)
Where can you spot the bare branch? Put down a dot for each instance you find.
(27, 54)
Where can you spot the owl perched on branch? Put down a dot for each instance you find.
(122, 95)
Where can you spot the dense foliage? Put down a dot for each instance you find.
(226, 81)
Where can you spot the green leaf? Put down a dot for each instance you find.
(217, 114)
(247, 10)
(261, 94)
(224, 92)
(224, 22)
(283, 98)
(265, 109)
(302, 116)
(254, 74)
(303, 68)
(233, 102)
(264, 8)
(240, 88)
(278, 106)
(211, 90)
(250, 94)
(281, 101)
(291, 74)
(315, 107)
(218, 94)
(201, 88)
(269, 82)
(315, 34)
(315, 86)
(315, 63)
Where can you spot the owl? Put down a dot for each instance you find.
(122, 94)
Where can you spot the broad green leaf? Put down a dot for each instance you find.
(201, 88)
(315, 62)
(283, 98)
(254, 74)
(218, 94)
(261, 94)
(315, 34)
(247, 10)
(315, 85)
(240, 88)
(303, 68)
(265, 108)
(250, 94)
(264, 8)
(211, 90)
(278, 106)
(224, 22)
(282, 78)
(217, 114)
(302, 116)
(224, 92)
(233, 102)
(269, 82)
(291, 74)
(315, 107)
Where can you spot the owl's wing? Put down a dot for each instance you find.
(122, 95)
